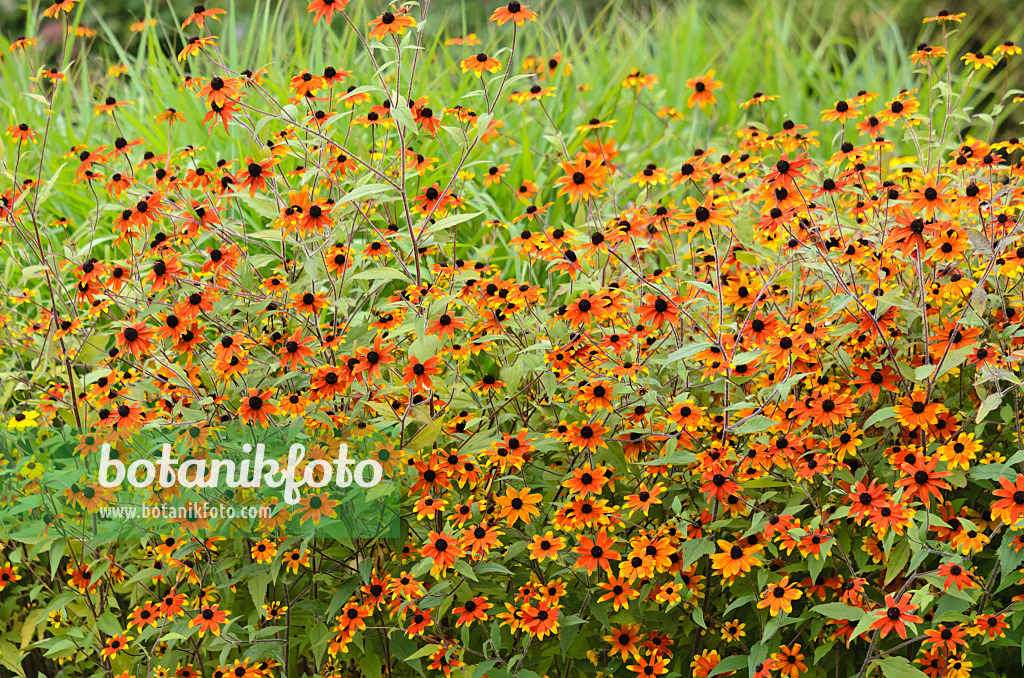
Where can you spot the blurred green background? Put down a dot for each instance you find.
(986, 18)
(809, 52)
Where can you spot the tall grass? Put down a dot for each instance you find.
(802, 52)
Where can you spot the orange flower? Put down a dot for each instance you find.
(443, 549)
(518, 505)
(136, 339)
(623, 640)
(930, 197)
(945, 15)
(389, 24)
(586, 481)
(914, 411)
(594, 553)
(947, 636)
(541, 619)
(58, 6)
(472, 610)
(654, 665)
(1010, 506)
(658, 311)
(788, 661)
(582, 179)
(733, 559)
(295, 350)
(545, 546)
(372, 360)
(895, 616)
(923, 480)
(419, 374)
(480, 64)
(8, 575)
(114, 645)
(263, 551)
(109, 105)
(779, 597)
(255, 175)
(702, 90)
(308, 302)
(200, 15)
(515, 12)
(317, 507)
(144, 615)
(588, 436)
(843, 110)
(257, 406)
(325, 9)
(210, 618)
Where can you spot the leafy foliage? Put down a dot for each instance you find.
(674, 381)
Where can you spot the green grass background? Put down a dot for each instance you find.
(809, 53)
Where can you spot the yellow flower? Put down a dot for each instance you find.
(1007, 49)
(23, 420)
(960, 452)
(32, 470)
(977, 59)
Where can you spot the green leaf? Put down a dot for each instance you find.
(864, 625)
(899, 667)
(382, 409)
(993, 472)
(568, 634)
(370, 665)
(59, 601)
(341, 597)
(465, 570)
(28, 628)
(816, 565)
(736, 662)
(897, 560)
(991, 402)
(480, 669)
(776, 623)
(258, 588)
(319, 639)
(483, 121)
(364, 191)
(954, 359)
(264, 207)
(496, 635)
(404, 120)
(448, 222)
(425, 437)
(484, 568)
(56, 553)
(107, 623)
(11, 657)
(879, 416)
(423, 652)
(382, 273)
(755, 424)
(694, 549)
(839, 611)
(698, 617)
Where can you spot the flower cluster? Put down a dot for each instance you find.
(735, 409)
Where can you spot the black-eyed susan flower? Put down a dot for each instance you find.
(703, 90)
(515, 12)
(480, 64)
(977, 59)
(390, 24)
